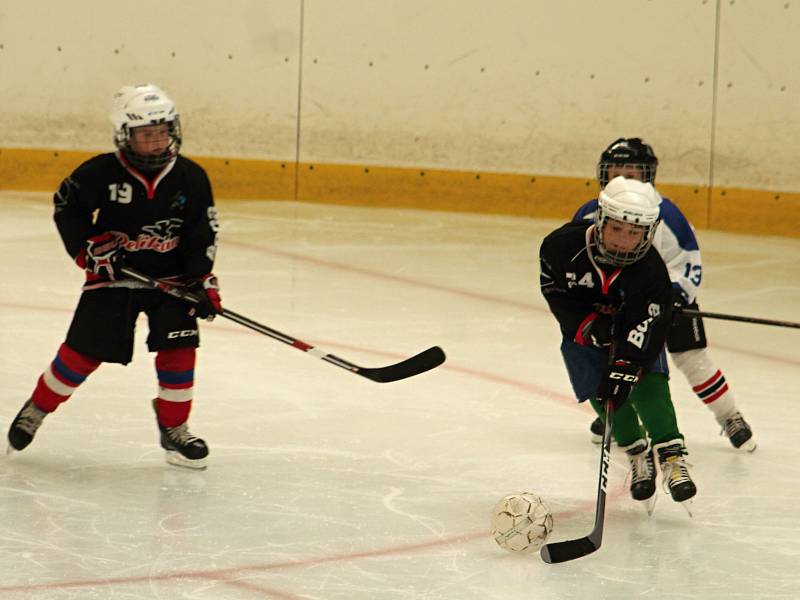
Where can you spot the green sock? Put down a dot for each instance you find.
(653, 403)
(626, 428)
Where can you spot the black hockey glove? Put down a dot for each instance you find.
(618, 382)
(206, 290)
(597, 332)
(103, 257)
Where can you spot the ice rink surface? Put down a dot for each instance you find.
(327, 486)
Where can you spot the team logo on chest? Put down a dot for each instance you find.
(162, 236)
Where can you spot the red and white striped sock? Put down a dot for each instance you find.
(62, 377)
(707, 381)
(175, 369)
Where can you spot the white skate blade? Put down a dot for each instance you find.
(749, 446)
(598, 439)
(11, 451)
(686, 504)
(650, 504)
(178, 460)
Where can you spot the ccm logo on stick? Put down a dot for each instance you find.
(604, 470)
(182, 334)
(623, 376)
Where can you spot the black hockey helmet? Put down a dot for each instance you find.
(628, 152)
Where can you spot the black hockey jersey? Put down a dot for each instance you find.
(167, 226)
(577, 288)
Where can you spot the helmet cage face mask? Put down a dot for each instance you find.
(646, 172)
(628, 153)
(619, 258)
(637, 207)
(150, 162)
(139, 106)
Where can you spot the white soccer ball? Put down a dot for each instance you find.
(521, 522)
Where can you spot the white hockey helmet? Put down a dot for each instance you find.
(628, 201)
(140, 105)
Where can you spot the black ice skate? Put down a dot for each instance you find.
(736, 429)
(675, 470)
(597, 428)
(643, 473)
(183, 449)
(24, 426)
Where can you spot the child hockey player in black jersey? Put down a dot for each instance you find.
(149, 208)
(609, 289)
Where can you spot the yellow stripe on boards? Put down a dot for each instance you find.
(248, 179)
(437, 189)
(37, 170)
(756, 212)
(31, 169)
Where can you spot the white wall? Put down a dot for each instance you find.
(758, 108)
(231, 67)
(529, 86)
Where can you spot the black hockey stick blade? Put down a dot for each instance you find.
(419, 363)
(559, 552)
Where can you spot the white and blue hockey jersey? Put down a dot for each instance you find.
(675, 242)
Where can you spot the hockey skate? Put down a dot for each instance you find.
(736, 429)
(24, 426)
(183, 449)
(597, 428)
(643, 474)
(675, 472)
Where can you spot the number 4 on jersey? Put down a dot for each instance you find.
(585, 281)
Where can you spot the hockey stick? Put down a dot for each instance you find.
(558, 552)
(690, 312)
(419, 363)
